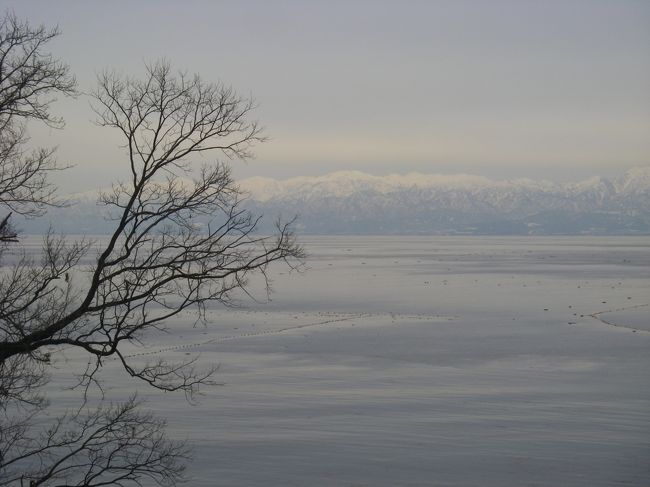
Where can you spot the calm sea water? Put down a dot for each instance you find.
(425, 361)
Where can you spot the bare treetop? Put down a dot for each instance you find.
(167, 118)
(30, 78)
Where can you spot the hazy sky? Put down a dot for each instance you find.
(559, 89)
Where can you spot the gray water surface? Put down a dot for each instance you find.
(427, 361)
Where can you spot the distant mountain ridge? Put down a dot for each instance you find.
(353, 202)
(345, 183)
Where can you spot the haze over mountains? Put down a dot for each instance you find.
(352, 202)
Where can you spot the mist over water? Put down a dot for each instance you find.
(419, 361)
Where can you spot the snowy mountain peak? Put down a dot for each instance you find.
(636, 180)
(347, 183)
(355, 202)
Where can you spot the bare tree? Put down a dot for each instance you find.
(181, 240)
(30, 78)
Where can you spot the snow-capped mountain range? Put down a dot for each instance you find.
(352, 202)
(355, 202)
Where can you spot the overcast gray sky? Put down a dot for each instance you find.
(503, 88)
